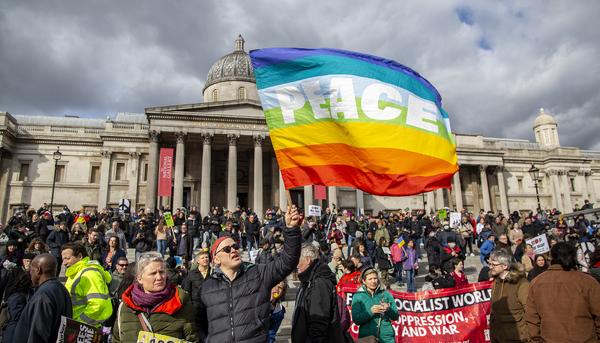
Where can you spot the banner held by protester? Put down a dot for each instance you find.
(341, 118)
(445, 315)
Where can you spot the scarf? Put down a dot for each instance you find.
(150, 301)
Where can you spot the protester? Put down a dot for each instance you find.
(116, 230)
(458, 273)
(93, 245)
(117, 275)
(410, 265)
(87, 283)
(161, 232)
(16, 293)
(41, 317)
(236, 287)
(154, 304)
(192, 283)
(527, 259)
(336, 264)
(56, 239)
(312, 316)
(37, 247)
(265, 255)
(277, 309)
(509, 297)
(563, 304)
(373, 309)
(486, 248)
(112, 254)
(438, 279)
(540, 265)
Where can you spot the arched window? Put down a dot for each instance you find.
(215, 95)
(241, 93)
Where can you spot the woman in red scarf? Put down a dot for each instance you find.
(153, 304)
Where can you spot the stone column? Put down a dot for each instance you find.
(582, 186)
(134, 177)
(556, 199)
(590, 187)
(502, 188)
(430, 202)
(5, 178)
(258, 176)
(360, 202)
(152, 182)
(332, 196)
(104, 179)
(179, 170)
(484, 187)
(232, 172)
(568, 205)
(205, 179)
(439, 198)
(308, 197)
(457, 188)
(282, 194)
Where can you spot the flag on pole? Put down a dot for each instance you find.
(400, 241)
(341, 118)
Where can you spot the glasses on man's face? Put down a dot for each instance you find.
(228, 248)
(494, 264)
(122, 265)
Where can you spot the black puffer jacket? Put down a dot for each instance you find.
(239, 310)
(313, 315)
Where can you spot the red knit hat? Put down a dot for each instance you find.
(215, 245)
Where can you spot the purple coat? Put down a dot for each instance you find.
(409, 258)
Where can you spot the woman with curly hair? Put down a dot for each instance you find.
(36, 247)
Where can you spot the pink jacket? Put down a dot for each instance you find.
(396, 253)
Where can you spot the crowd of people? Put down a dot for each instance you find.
(189, 279)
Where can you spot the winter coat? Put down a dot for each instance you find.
(382, 259)
(94, 252)
(507, 316)
(15, 304)
(263, 257)
(486, 249)
(563, 306)
(55, 241)
(87, 283)
(115, 257)
(433, 248)
(409, 258)
(239, 310)
(381, 232)
(315, 303)
(41, 317)
(173, 318)
(362, 301)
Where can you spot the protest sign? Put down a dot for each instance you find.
(253, 255)
(314, 210)
(72, 331)
(442, 214)
(539, 243)
(169, 219)
(455, 219)
(151, 337)
(445, 315)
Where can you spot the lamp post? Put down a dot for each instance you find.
(424, 202)
(57, 155)
(535, 174)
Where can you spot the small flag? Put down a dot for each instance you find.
(400, 241)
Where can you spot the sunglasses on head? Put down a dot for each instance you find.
(228, 248)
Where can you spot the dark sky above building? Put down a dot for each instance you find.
(495, 63)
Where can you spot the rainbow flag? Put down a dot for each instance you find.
(341, 118)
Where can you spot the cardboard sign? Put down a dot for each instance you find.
(539, 243)
(442, 214)
(445, 315)
(253, 254)
(151, 337)
(169, 219)
(72, 331)
(314, 210)
(455, 218)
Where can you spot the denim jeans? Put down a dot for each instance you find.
(398, 271)
(251, 243)
(410, 283)
(350, 240)
(161, 246)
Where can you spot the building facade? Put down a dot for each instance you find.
(223, 157)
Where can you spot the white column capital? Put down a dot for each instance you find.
(233, 139)
(106, 153)
(258, 140)
(135, 154)
(154, 136)
(207, 139)
(181, 136)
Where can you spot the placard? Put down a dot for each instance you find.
(151, 337)
(169, 219)
(539, 243)
(72, 331)
(455, 218)
(314, 210)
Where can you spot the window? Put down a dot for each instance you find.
(60, 173)
(572, 184)
(215, 95)
(24, 171)
(241, 93)
(119, 171)
(520, 184)
(95, 174)
(145, 172)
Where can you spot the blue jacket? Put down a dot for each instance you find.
(486, 249)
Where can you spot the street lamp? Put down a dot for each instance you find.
(535, 174)
(57, 155)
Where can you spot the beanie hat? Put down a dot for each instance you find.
(215, 245)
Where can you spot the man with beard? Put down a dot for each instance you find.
(93, 245)
(509, 298)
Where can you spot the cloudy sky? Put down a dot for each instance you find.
(494, 62)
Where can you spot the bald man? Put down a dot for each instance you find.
(40, 320)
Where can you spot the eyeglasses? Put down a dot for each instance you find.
(494, 264)
(228, 248)
(122, 265)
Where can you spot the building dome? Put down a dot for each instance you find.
(235, 66)
(544, 119)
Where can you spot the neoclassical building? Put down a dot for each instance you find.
(223, 157)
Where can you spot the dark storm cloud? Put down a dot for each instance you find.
(495, 64)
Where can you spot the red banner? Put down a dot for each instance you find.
(320, 192)
(165, 172)
(446, 315)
